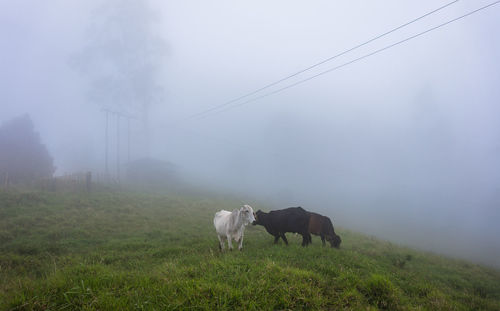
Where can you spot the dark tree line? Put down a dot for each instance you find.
(23, 157)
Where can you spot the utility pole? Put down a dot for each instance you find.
(106, 147)
(128, 140)
(118, 115)
(118, 147)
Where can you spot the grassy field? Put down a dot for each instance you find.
(139, 251)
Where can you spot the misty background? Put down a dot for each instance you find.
(403, 145)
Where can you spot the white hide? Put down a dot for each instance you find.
(231, 225)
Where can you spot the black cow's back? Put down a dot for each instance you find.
(292, 219)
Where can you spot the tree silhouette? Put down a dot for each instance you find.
(22, 156)
(123, 59)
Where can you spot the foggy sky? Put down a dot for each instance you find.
(404, 145)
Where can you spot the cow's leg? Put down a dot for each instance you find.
(323, 239)
(276, 238)
(284, 238)
(240, 246)
(221, 242)
(229, 242)
(305, 239)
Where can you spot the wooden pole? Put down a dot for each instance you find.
(118, 147)
(128, 140)
(88, 181)
(106, 147)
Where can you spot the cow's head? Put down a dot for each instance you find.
(334, 240)
(257, 218)
(247, 213)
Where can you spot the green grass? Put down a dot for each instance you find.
(139, 251)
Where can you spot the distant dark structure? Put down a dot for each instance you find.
(278, 222)
(322, 226)
(152, 172)
(23, 158)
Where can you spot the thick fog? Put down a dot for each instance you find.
(403, 144)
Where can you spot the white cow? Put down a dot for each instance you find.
(231, 225)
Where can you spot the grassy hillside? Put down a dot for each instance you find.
(133, 251)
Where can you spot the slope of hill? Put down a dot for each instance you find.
(137, 251)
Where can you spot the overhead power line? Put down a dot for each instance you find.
(360, 58)
(321, 62)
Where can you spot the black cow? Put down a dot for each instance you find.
(278, 222)
(322, 226)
